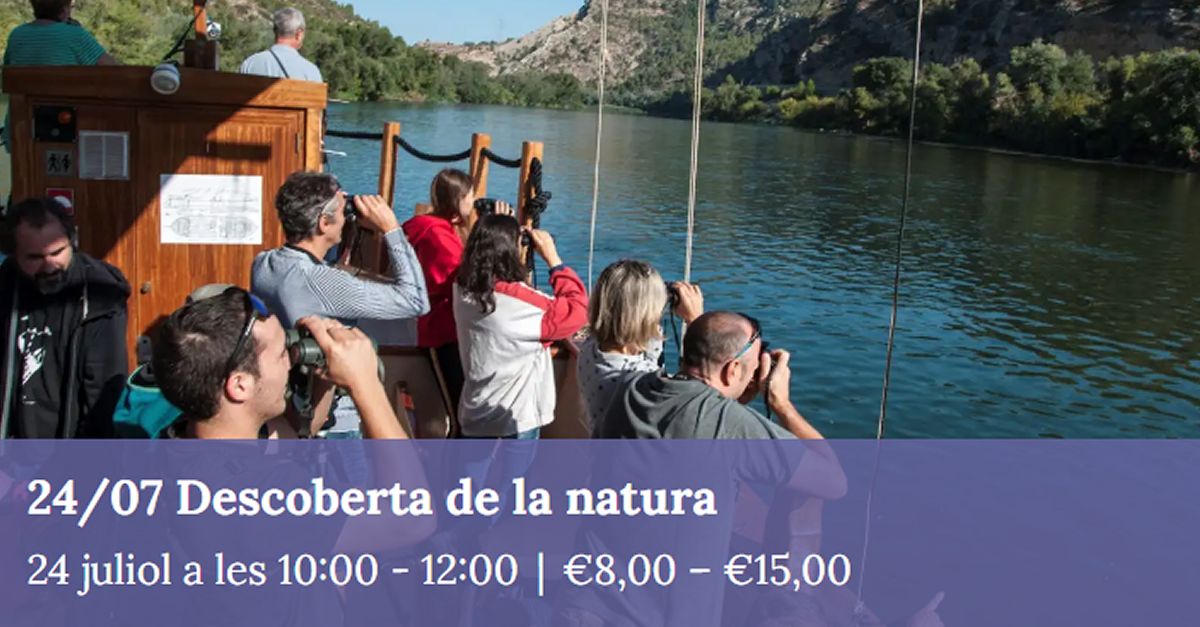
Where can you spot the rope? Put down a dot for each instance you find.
(355, 135)
(697, 86)
(537, 199)
(425, 156)
(536, 203)
(599, 136)
(859, 609)
(178, 47)
(498, 160)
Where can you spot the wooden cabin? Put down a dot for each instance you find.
(177, 190)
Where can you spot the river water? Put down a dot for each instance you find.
(1039, 298)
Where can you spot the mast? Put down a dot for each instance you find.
(201, 52)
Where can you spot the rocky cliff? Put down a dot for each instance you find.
(784, 41)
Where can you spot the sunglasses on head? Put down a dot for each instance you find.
(330, 205)
(255, 310)
(756, 335)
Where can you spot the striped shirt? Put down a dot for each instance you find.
(294, 284)
(52, 43)
(49, 43)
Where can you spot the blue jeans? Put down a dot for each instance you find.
(533, 434)
(353, 456)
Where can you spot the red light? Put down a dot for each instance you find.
(64, 117)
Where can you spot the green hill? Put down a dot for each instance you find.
(360, 59)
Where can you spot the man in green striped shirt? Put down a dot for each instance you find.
(53, 38)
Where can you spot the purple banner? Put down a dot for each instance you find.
(919, 533)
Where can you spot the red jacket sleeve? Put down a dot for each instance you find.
(568, 312)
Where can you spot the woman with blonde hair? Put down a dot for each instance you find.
(626, 340)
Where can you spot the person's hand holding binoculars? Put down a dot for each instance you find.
(375, 214)
(492, 206)
(350, 357)
(687, 300)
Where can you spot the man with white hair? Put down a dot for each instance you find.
(283, 59)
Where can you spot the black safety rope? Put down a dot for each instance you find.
(425, 156)
(498, 160)
(355, 135)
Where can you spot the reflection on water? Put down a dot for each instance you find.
(1039, 297)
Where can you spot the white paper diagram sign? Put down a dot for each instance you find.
(210, 209)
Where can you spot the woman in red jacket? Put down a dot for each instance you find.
(438, 239)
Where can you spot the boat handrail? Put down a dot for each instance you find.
(422, 155)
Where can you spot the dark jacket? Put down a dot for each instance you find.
(95, 363)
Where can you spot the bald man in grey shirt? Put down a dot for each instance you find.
(283, 59)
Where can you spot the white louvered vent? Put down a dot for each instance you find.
(103, 156)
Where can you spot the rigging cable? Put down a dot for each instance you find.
(859, 609)
(599, 135)
(697, 87)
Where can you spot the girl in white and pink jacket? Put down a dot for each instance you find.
(506, 327)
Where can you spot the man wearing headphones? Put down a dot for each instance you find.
(62, 324)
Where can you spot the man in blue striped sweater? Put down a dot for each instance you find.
(295, 282)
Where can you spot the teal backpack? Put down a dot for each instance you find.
(143, 411)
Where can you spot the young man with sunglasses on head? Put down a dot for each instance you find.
(223, 361)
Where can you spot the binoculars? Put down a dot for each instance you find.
(306, 355)
(303, 350)
(485, 206)
(672, 295)
(351, 210)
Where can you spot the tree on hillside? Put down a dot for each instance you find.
(1154, 108)
(879, 99)
(972, 95)
(1049, 102)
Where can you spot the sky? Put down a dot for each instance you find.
(459, 21)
